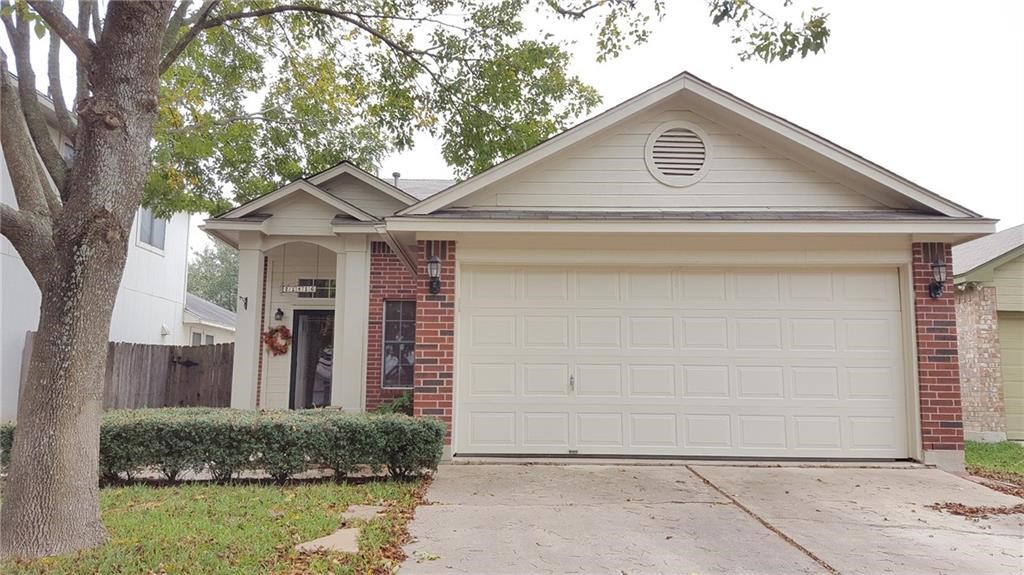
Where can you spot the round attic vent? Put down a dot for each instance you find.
(677, 153)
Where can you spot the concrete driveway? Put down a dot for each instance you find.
(634, 519)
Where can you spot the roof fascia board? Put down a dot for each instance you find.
(826, 148)
(972, 227)
(365, 177)
(547, 148)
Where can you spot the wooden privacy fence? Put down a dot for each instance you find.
(146, 375)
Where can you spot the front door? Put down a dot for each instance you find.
(312, 358)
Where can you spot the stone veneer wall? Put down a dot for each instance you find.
(981, 386)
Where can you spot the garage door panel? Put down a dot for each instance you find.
(682, 362)
(546, 379)
(599, 429)
(598, 380)
(546, 331)
(705, 333)
(654, 430)
(817, 432)
(546, 429)
(490, 379)
(652, 381)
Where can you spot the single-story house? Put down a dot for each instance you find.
(684, 274)
(206, 322)
(989, 276)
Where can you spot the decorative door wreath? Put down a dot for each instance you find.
(277, 339)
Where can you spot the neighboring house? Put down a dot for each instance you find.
(206, 322)
(989, 275)
(682, 275)
(150, 301)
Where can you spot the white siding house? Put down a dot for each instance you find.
(150, 302)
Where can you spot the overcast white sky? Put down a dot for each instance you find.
(933, 90)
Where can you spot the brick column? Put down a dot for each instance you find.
(435, 335)
(938, 369)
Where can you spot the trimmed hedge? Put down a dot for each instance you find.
(227, 442)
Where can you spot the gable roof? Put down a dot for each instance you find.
(252, 206)
(208, 312)
(974, 254)
(714, 97)
(347, 167)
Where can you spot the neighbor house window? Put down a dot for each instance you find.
(399, 343)
(197, 338)
(151, 228)
(68, 152)
(209, 340)
(324, 288)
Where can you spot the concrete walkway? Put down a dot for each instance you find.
(707, 519)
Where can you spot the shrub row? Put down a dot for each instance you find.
(226, 442)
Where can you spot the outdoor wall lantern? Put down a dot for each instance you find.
(434, 273)
(279, 314)
(939, 275)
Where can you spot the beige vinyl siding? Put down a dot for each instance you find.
(1011, 343)
(1009, 282)
(362, 195)
(300, 214)
(610, 172)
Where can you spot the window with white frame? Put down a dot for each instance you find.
(399, 343)
(152, 229)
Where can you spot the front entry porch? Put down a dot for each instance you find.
(316, 287)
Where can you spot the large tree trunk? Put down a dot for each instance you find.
(51, 499)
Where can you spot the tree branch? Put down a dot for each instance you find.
(30, 107)
(97, 24)
(32, 236)
(199, 19)
(32, 189)
(352, 18)
(575, 14)
(85, 12)
(54, 17)
(64, 119)
(174, 25)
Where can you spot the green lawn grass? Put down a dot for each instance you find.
(1005, 459)
(235, 529)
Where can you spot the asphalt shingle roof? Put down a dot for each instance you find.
(979, 252)
(208, 311)
(423, 189)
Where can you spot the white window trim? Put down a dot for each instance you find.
(142, 243)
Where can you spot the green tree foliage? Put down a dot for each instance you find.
(213, 275)
(258, 93)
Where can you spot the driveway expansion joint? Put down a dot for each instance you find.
(766, 524)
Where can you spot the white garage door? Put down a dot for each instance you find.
(789, 363)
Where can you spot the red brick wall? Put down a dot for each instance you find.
(389, 280)
(263, 328)
(435, 335)
(937, 362)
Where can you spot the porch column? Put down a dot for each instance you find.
(351, 313)
(247, 328)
